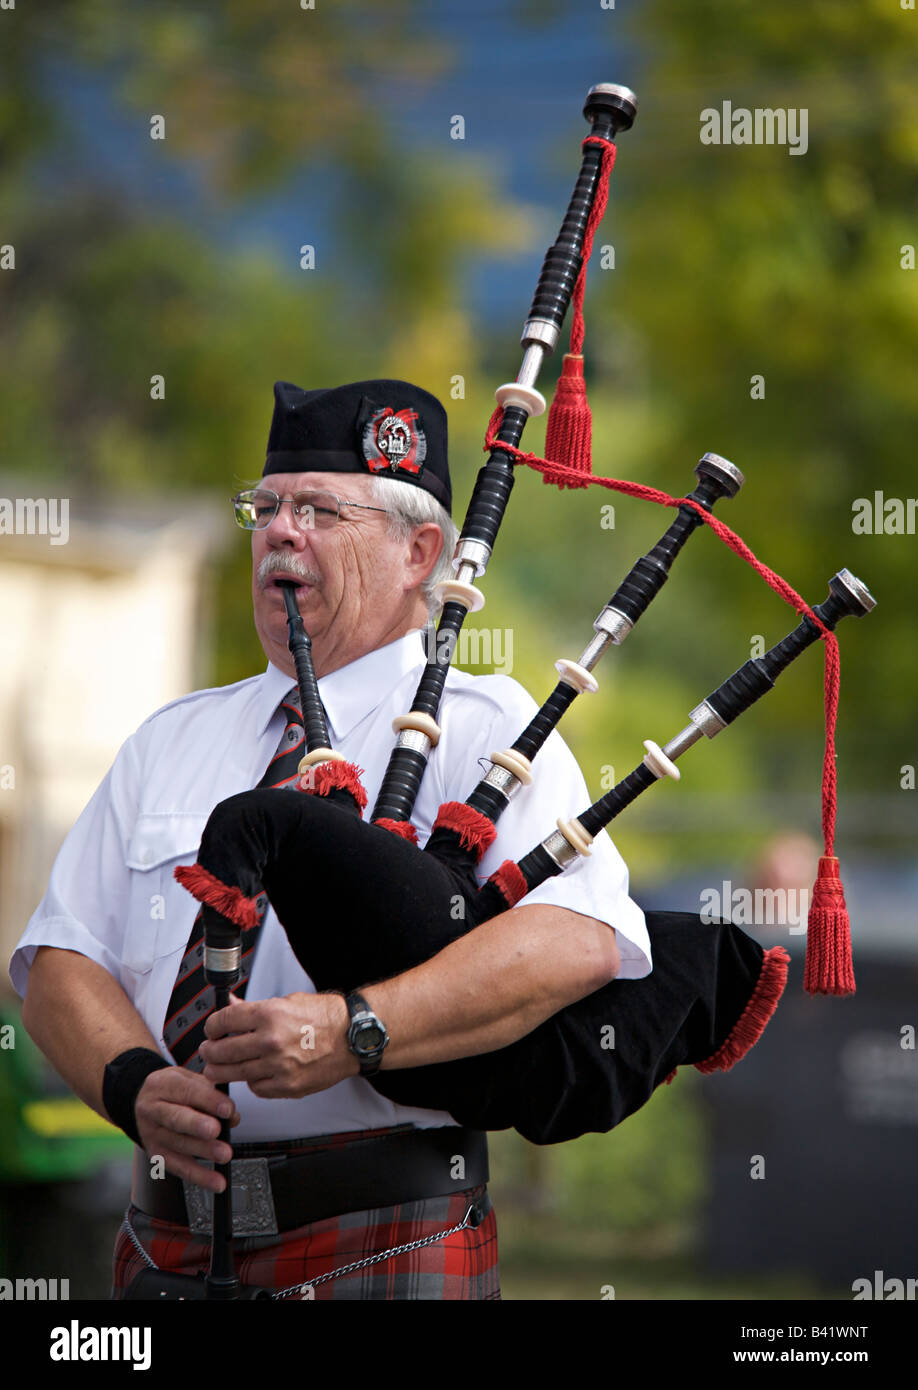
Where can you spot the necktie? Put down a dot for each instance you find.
(192, 997)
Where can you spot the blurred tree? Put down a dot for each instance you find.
(736, 264)
(114, 285)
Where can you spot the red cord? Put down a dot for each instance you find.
(557, 473)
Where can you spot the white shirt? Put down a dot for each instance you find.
(112, 895)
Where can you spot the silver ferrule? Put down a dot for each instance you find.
(707, 719)
(716, 466)
(677, 746)
(222, 960)
(540, 331)
(593, 650)
(560, 850)
(856, 588)
(467, 571)
(414, 739)
(471, 552)
(502, 781)
(531, 365)
(614, 623)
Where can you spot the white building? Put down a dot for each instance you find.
(102, 620)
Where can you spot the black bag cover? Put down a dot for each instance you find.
(360, 904)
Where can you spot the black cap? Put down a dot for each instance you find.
(388, 427)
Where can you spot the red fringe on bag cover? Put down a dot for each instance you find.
(207, 888)
(326, 777)
(751, 1024)
(510, 881)
(404, 828)
(476, 831)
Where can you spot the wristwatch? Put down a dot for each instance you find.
(366, 1036)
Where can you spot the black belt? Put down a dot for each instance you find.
(276, 1191)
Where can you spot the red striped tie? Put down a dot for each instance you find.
(192, 997)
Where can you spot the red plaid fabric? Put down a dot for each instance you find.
(463, 1265)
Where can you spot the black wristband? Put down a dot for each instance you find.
(121, 1082)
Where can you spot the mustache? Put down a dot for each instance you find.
(284, 562)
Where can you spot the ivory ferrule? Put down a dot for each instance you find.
(415, 722)
(578, 838)
(515, 763)
(577, 676)
(320, 755)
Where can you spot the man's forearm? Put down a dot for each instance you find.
(493, 985)
(81, 1018)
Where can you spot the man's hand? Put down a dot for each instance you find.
(282, 1048)
(176, 1113)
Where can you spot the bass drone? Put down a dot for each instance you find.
(712, 989)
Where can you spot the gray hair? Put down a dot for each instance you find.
(411, 506)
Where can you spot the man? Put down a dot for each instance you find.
(352, 1175)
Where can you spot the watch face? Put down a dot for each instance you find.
(369, 1037)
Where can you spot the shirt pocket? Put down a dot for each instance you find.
(160, 911)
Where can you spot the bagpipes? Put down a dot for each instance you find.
(712, 988)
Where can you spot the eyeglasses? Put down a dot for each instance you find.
(312, 511)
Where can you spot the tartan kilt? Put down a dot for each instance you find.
(463, 1265)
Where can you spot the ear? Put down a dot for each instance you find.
(424, 549)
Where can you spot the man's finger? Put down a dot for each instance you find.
(182, 1167)
(240, 1017)
(191, 1146)
(257, 1069)
(242, 1047)
(177, 1086)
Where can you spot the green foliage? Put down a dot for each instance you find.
(647, 1172)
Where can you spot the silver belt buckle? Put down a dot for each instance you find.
(253, 1201)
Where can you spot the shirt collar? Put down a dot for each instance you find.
(353, 691)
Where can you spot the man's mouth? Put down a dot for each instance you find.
(279, 578)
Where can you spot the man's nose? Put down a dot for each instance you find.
(283, 528)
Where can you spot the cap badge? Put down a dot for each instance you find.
(393, 439)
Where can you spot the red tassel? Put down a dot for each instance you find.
(829, 968)
(328, 776)
(399, 827)
(751, 1024)
(207, 888)
(475, 831)
(569, 436)
(510, 881)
